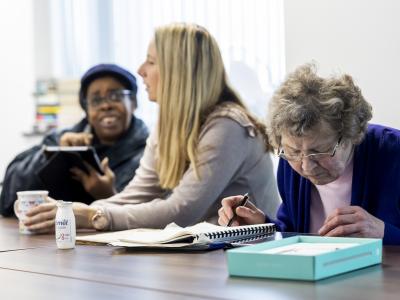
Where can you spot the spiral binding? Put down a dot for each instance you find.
(241, 232)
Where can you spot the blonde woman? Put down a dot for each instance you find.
(206, 145)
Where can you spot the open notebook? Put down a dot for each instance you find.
(200, 236)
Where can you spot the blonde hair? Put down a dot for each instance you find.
(304, 100)
(192, 82)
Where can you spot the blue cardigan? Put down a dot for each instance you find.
(375, 186)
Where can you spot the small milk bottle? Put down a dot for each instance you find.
(65, 225)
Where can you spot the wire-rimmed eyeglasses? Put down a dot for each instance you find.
(313, 156)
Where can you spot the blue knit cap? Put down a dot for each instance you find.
(124, 76)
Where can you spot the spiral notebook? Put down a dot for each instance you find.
(197, 237)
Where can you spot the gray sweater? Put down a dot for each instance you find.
(232, 161)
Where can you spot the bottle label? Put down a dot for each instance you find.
(65, 226)
(63, 230)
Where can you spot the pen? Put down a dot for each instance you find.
(242, 203)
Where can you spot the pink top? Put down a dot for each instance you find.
(326, 198)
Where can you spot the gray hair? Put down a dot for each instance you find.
(304, 100)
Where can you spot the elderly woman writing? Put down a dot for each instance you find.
(338, 175)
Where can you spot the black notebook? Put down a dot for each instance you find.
(197, 237)
(56, 176)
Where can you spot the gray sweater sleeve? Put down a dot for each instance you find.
(145, 185)
(223, 147)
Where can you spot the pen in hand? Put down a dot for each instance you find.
(242, 203)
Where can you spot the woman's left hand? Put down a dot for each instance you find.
(40, 219)
(352, 221)
(97, 185)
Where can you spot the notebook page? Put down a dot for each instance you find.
(169, 234)
(109, 237)
(200, 233)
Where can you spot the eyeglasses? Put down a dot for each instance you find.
(116, 96)
(313, 156)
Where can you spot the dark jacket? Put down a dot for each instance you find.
(124, 157)
(375, 185)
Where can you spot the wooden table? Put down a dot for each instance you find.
(33, 268)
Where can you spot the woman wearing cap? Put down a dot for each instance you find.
(206, 145)
(338, 175)
(108, 97)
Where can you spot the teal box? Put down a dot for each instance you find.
(303, 257)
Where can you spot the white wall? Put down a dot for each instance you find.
(16, 77)
(42, 32)
(358, 37)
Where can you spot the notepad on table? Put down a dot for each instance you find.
(200, 236)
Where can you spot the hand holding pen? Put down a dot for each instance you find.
(241, 203)
(239, 210)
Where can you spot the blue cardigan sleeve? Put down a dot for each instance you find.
(283, 221)
(392, 235)
(376, 178)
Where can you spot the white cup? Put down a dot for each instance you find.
(26, 201)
